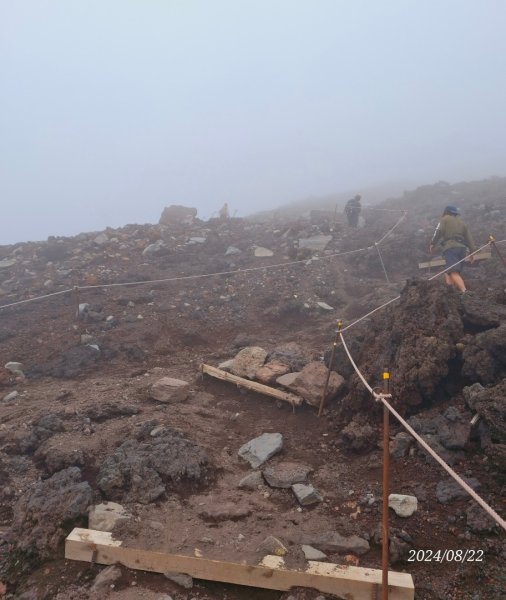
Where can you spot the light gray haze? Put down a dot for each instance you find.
(112, 109)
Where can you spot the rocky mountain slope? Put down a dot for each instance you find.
(102, 400)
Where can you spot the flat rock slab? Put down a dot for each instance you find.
(260, 449)
(332, 541)
(287, 380)
(403, 506)
(317, 243)
(312, 553)
(182, 579)
(170, 390)
(285, 474)
(247, 362)
(103, 517)
(306, 494)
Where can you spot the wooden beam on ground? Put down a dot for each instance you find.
(252, 385)
(352, 583)
(440, 262)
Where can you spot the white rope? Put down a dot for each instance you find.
(382, 264)
(353, 323)
(36, 298)
(234, 272)
(390, 231)
(382, 398)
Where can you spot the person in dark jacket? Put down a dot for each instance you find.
(452, 233)
(352, 211)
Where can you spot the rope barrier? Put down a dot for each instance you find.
(390, 231)
(36, 298)
(234, 272)
(382, 264)
(383, 398)
(189, 277)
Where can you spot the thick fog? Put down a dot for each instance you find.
(110, 111)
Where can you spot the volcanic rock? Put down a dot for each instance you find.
(260, 449)
(310, 383)
(285, 474)
(170, 390)
(141, 470)
(44, 514)
(248, 361)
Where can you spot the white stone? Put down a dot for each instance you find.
(312, 553)
(263, 252)
(403, 506)
(14, 367)
(325, 306)
(168, 389)
(103, 517)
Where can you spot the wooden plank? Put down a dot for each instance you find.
(353, 583)
(439, 262)
(252, 385)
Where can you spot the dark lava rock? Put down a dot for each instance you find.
(359, 438)
(418, 336)
(42, 429)
(110, 410)
(449, 490)
(401, 444)
(70, 364)
(482, 312)
(485, 356)
(290, 354)
(490, 404)
(478, 520)
(399, 543)
(142, 469)
(46, 513)
(452, 428)
(57, 458)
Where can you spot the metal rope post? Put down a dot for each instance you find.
(492, 242)
(386, 472)
(331, 362)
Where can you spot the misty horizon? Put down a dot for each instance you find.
(112, 112)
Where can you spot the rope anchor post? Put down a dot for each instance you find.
(492, 243)
(331, 362)
(386, 474)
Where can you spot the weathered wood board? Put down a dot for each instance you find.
(352, 583)
(252, 385)
(440, 262)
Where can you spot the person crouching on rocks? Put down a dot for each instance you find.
(456, 240)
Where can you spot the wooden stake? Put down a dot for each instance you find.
(354, 583)
(325, 389)
(492, 241)
(252, 385)
(440, 262)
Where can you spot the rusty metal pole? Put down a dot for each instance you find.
(386, 472)
(492, 241)
(326, 387)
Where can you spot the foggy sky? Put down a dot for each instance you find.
(112, 109)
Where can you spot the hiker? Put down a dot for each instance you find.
(224, 212)
(456, 240)
(352, 210)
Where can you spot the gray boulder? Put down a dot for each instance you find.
(285, 474)
(260, 449)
